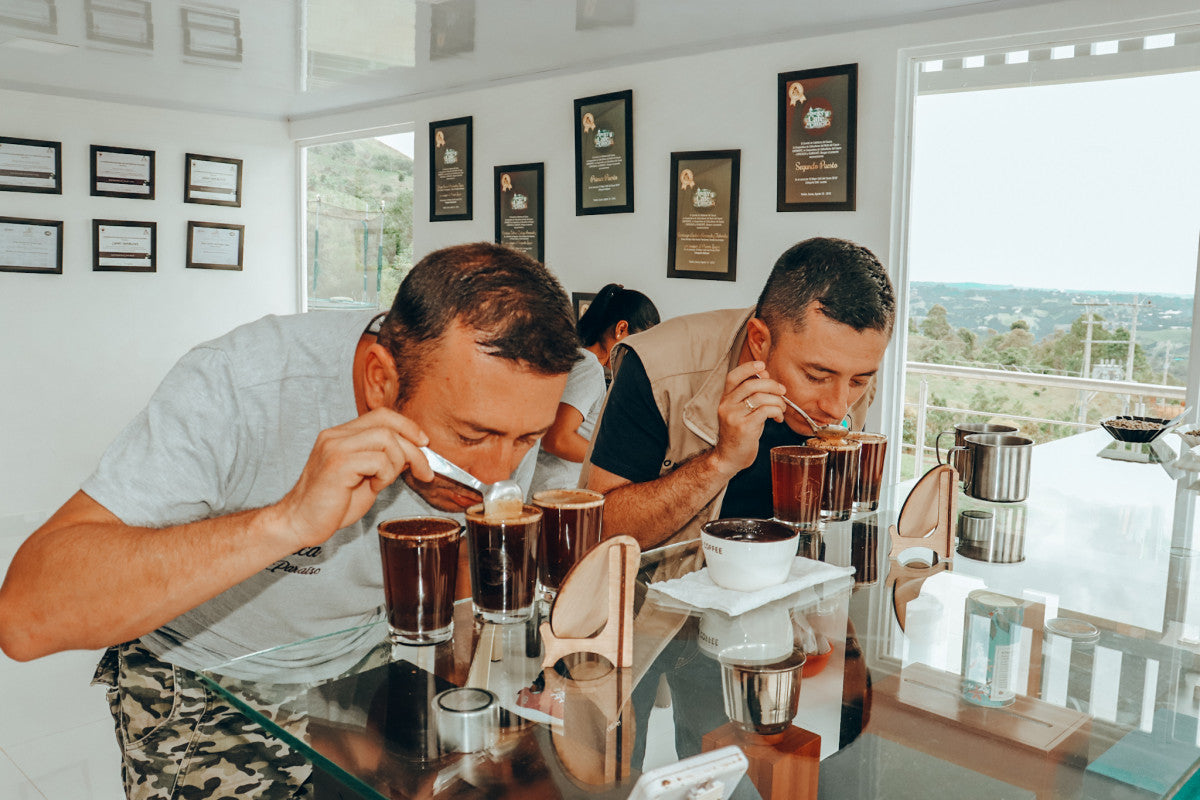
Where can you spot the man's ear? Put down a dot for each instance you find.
(380, 381)
(758, 338)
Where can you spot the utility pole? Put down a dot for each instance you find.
(316, 246)
(1136, 305)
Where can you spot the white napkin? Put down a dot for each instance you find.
(698, 590)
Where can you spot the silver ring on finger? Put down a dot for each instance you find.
(750, 405)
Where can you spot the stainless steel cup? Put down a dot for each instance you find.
(761, 696)
(961, 432)
(998, 466)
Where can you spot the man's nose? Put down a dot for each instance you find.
(497, 462)
(834, 402)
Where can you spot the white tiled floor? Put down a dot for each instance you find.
(56, 735)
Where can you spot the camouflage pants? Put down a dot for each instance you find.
(179, 740)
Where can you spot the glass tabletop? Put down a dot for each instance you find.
(1082, 681)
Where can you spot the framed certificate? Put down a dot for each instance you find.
(450, 170)
(211, 245)
(702, 242)
(580, 302)
(818, 125)
(127, 23)
(212, 180)
(31, 245)
(122, 172)
(604, 154)
(520, 211)
(30, 165)
(122, 246)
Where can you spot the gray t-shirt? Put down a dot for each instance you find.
(585, 393)
(230, 428)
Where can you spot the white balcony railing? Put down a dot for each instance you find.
(1135, 396)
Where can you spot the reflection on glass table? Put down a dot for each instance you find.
(579, 729)
(1088, 640)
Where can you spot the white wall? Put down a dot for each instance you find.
(715, 100)
(718, 100)
(81, 352)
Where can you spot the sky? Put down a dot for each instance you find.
(1073, 186)
(399, 141)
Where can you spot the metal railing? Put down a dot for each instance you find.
(1130, 389)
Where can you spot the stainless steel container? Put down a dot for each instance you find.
(468, 719)
(999, 466)
(961, 431)
(761, 696)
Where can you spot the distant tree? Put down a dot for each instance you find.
(1020, 324)
(970, 341)
(935, 325)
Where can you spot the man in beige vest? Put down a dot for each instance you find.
(697, 401)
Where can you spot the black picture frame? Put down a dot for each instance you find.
(604, 163)
(140, 179)
(193, 240)
(519, 192)
(817, 155)
(56, 224)
(99, 257)
(198, 168)
(699, 246)
(580, 302)
(18, 169)
(451, 195)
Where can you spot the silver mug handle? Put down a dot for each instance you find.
(937, 445)
(962, 472)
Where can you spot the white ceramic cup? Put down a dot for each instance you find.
(748, 554)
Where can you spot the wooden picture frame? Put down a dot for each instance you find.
(30, 165)
(124, 246)
(451, 163)
(604, 154)
(31, 245)
(519, 191)
(212, 180)
(215, 245)
(122, 172)
(702, 237)
(816, 156)
(580, 302)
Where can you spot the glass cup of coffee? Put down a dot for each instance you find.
(420, 566)
(502, 557)
(797, 480)
(841, 472)
(870, 469)
(571, 521)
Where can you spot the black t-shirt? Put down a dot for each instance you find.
(631, 441)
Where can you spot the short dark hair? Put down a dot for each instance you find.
(612, 304)
(845, 279)
(516, 306)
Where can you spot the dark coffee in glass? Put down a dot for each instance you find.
(841, 471)
(870, 469)
(797, 479)
(571, 526)
(502, 554)
(420, 566)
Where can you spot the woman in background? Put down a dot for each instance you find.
(615, 313)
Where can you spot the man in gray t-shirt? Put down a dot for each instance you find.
(237, 511)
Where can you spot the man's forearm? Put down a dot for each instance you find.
(87, 582)
(652, 511)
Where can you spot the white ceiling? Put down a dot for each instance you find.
(289, 59)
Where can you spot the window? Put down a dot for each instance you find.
(359, 220)
(1052, 236)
